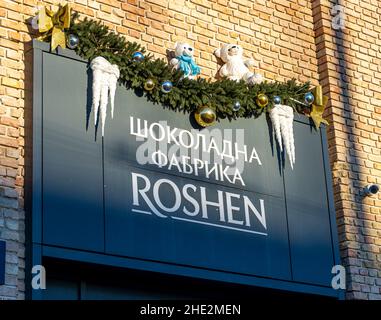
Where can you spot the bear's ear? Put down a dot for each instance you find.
(175, 46)
(217, 53)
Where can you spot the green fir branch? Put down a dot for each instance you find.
(95, 39)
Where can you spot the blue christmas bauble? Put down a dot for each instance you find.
(166, 86)
(277, 100)
(236, 106)
(138, 56)
(309, 98)
(72, 41)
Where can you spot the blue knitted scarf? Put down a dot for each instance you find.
(188, 66)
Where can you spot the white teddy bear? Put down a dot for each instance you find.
(184, 61)
(235, 68)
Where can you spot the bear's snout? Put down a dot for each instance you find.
(188, 51)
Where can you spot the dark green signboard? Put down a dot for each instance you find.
(158, 193)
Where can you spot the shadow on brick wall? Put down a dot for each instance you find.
(349, 217)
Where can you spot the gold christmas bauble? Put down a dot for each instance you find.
(149, 85)
(205, 116)
(262, 100)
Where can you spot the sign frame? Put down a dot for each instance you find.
(2, 261)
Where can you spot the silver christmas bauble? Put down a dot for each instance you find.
(277, 100)
(72, 41)
(236, 106)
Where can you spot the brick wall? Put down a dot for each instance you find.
(286, 39)
(349, 67)
(11, 147)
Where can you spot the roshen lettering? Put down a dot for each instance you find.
(197, 204)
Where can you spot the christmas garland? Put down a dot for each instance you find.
(113, 59)
(186, 95)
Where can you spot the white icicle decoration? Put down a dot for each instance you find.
(282, 118)
(105, 77)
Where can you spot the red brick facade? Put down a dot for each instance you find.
(286, 39)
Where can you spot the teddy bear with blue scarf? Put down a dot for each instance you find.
(184, 60)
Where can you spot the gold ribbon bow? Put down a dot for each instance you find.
(53, 24)
(318, 107)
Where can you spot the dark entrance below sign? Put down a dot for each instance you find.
(78, 281)
(83, 204)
